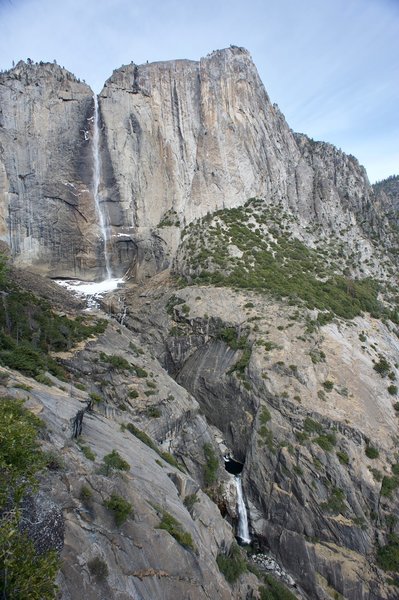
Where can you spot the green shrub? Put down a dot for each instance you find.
(171, 303)
(389, 485)
(312, 426)
(301, 436)
(85, 494)
(372, 452)
(172, 526)
(95, 397)
(88, 452)
(326, 441)
(169, 458)
(343, 457)
(388, 555)
(336, 502)
(41, 378)
(328, 385)
(145, 438)
(231, 337)
(382, 366)
(393, 390)
(142, 435)
(116, 361)
(114, 462)
(133, 394)
(265, 416)
(98, 568)
(233, 564)
(154, 412)
(190, 500)
(120, 508)
(140, 372)
(23, 386)
(274, 590)
(211, 465)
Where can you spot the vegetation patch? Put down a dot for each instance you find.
(172, 526)
(382, 366)
(312, 426)
(328, 385)
(271, 260)
(326, 441)
(211, 465)
(343, 457)
(388, 555)
(117, 362)
(274, 590)
(336, 502)
(113, 462)
(30, 330)
(98, 568)
(23, 572)
(190, 500)
(145, 438)
(372, 452)
(87, 452)
(120, 508)
(233, 564)
(389, 485)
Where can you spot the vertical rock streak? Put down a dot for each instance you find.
(96, 185)
(243, 530)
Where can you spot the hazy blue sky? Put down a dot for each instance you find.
(331, 65)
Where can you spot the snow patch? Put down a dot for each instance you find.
(93, 291)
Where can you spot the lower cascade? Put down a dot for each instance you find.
(243, 530)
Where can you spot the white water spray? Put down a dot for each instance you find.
(243, 530)
(96, 185)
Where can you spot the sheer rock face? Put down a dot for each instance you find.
(47, 210)
(177, 140)
(193, 137)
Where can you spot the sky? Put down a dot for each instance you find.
(332, 66)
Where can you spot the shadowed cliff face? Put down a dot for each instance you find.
(177, 140)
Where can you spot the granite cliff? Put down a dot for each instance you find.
(259, 319)
(177, 140)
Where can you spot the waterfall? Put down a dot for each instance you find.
(96, 185)
(243, 530)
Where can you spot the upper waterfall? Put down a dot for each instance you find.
(102, 219)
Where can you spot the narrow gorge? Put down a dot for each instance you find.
(221, 420)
